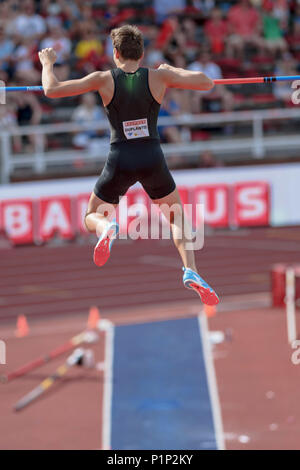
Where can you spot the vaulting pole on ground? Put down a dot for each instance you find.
(72, 360)
(84, 337)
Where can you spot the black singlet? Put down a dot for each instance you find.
(135, 153)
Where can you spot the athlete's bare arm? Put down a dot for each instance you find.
(174, 77)
(56, 89)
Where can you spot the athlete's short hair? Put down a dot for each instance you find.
(128, 40)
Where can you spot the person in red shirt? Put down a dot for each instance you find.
(244, 27)
(216, 30)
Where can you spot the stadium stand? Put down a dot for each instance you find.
(198, 34)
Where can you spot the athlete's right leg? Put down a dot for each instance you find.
(172, 209)
(99, 219)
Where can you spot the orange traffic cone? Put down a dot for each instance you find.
(22, 327)
(210, 310)
(94, 317)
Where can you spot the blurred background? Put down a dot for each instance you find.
(223, 39)
(168, 378)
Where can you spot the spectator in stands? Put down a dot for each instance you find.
(7, 13)
(192, 38)
(59, 41)
(177, 46)
(6, 49)
(82, 16)
(170, 107)
(28, 112)
(245, 29)
(220, 93)
(8, 121)
(89, 111)
(216, 31)
(204, 6)
(170, 133)
(28, 24)
(296, 16)
(209, 160)
(153, 57)
(283, 90)
(273, 31)
(153, 54)
(281, 11)
(7, 117)
(294, 37)
(111, 14)
(181, 97)
(222, 27)
(163, 8)
(60, 12)
(52, 13)
(166, 33)
(89, 49)
(86, 12)
(71, 9)
(23, 59)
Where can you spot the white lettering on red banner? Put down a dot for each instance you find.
(55, 217)
(18, 220)
(242, 204)
(215, 199)
(251, 204)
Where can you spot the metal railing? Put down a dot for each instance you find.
(257, 144)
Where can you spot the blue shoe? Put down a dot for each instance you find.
(103, 248)
(192, 280)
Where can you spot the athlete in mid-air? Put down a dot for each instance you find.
(132, 96)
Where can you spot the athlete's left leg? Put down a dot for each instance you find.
(172, 209)
(99, 219)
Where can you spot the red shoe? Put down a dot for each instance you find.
(192, 280)
(103, 248)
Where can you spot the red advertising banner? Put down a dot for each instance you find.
(17, 220)
(251, 204)
(241, 204)
(55, 217)
(215, 199)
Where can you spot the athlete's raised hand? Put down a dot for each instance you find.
(47, 56)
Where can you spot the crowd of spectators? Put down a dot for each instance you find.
(223, 38)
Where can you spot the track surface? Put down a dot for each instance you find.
(64, 417)
(55, 286)
(39, 281)
(258, 383)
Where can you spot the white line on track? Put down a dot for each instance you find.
(108, 327)
(264, 245)
(159, 260)
(212, 381)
